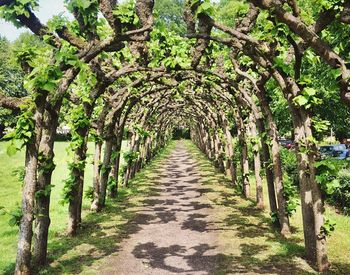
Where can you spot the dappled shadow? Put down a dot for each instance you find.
(195, 222)
(238, 220)
(157, 255)
(182, 235)
(169, 258)
(101, 233)
(204, 258)
(174, 226)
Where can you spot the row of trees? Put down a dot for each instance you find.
(253, 70)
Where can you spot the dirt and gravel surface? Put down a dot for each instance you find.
(178, 232)
(192, 227)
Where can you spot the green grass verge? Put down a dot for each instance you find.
(10, 198)
(101, 233)
(254, 226)
(261, 249)
(69, 255)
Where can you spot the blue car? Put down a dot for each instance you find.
(338, 151)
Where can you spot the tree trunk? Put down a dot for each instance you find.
(257, 165)
(230, 165)
(75, 203)
(283, 218)
(23, 259)
(136, 148)
(96, 176)
(115, 166)
(218, 160)
(311, 199)
(106, 168)
(245, 169)
(244, 155)
(148, 149)
(129, 164)
(46, 167)
(113, 174)
(268, 171)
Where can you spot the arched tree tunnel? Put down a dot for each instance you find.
(114, 73)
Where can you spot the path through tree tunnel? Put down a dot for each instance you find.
(185, 225)
(115, 72)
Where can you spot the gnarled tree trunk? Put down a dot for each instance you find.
(257, 164)
(46, 167)
(96, 176)
(23, 258)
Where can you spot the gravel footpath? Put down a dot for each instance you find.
(177, 231)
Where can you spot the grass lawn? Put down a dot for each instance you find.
(280, 251)
(10, 198)
(338, 244)
(260, 247)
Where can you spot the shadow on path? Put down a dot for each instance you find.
(179, 217)
(193, 227)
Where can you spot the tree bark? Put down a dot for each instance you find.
(311, 199)
(75, 204)
(106, 164)
(96, 176)
(136, 148)
(127, 173)
(23, 259)
(46, 168)
(276, 162)
(114, 173)
(230, 164)
(244, 155)
(257, 165)
(267, 162)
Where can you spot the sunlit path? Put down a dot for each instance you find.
(177, 229)
(185, 229)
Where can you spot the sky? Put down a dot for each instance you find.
(47, 9)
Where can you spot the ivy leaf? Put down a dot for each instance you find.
(336, 72)
(309, 91)
(49, 86)
(328, 227)
(12, 221)
(2, 210)
(300, 100)
(206, 8)
(11, 149)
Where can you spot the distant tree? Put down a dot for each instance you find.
(228, 11)
(11, 75)
(11, 82)
(170, 13)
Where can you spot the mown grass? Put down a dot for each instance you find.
(68, 255)
(10, 198)
(252, 243)
(265, 245)
(102, 233)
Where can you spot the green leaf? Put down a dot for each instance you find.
(12, 221)
(2, 210)
(49, 86)
(11, 149)
(300, 100)
(206, 7)
(309, 91)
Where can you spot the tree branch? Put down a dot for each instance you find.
(12, 103)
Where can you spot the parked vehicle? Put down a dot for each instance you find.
(286, 143)
(338, 151)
